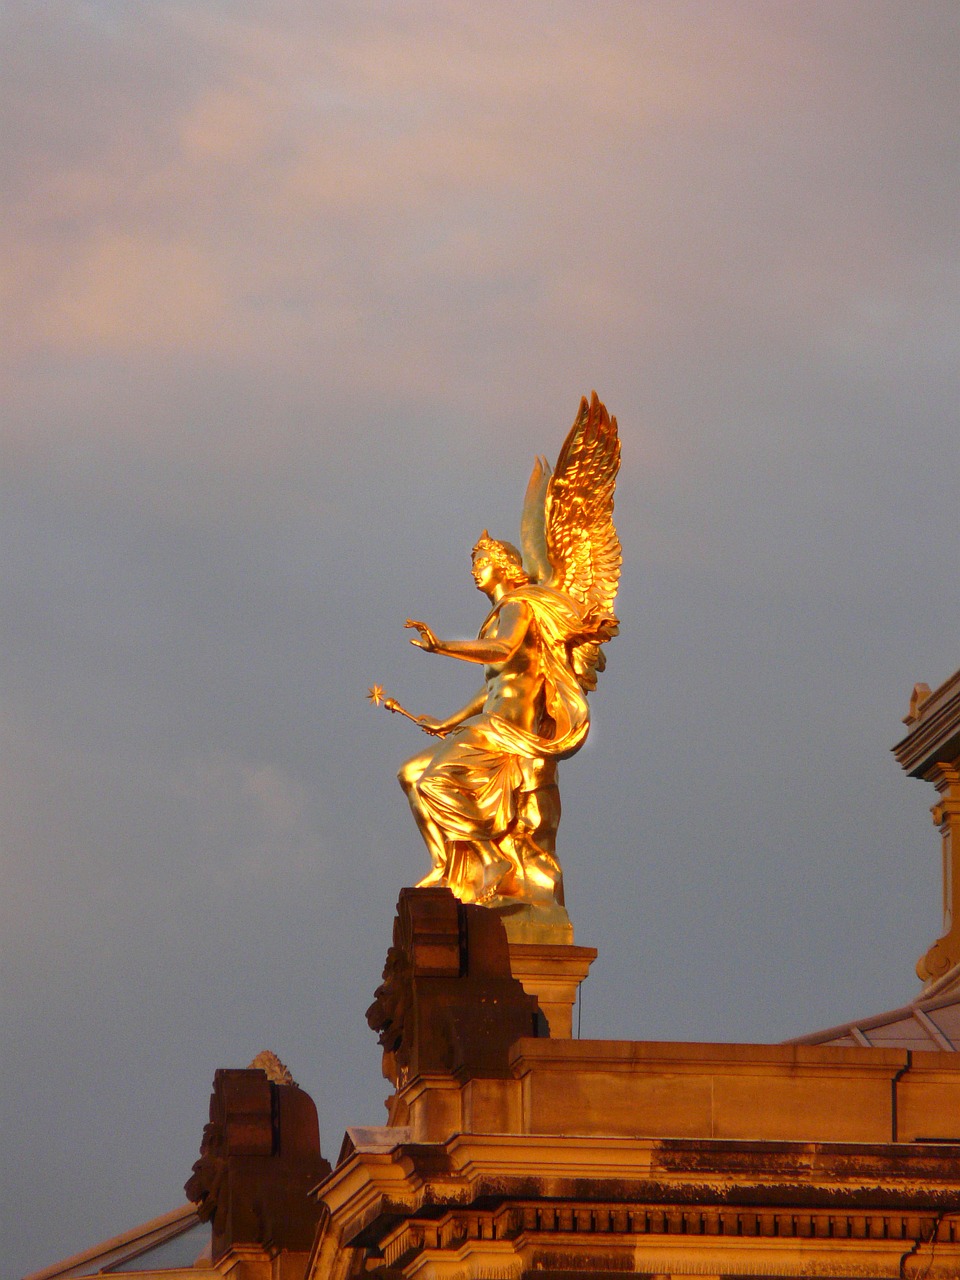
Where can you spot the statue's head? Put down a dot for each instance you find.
(504, 557)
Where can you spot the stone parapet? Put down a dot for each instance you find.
(776, 1093)
(737, 1091)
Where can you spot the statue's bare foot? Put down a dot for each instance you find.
(499, 880)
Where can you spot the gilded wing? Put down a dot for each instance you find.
(582, 543)
(533, 532)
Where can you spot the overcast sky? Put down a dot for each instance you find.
(292, 294)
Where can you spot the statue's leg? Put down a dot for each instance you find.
(538, 816)
(538, 802)
(462, 795)
(409, 776)
(501, 874)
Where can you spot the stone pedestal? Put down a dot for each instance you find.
(553, 974)
(461, 986)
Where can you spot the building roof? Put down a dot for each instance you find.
(174, 1240)
(931, 1022)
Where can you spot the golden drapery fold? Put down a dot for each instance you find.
(471, 784)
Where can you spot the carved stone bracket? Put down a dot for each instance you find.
(448, 1001)
(945, 952)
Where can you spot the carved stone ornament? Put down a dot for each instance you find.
(277, 1072)
(449, 1001)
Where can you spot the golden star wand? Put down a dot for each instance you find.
(375, 697)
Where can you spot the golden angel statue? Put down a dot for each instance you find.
(485, 798)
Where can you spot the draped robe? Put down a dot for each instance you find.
(470, 785)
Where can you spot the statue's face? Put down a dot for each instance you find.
(486, 574)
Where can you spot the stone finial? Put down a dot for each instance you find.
(276, 1071)
(921, 692)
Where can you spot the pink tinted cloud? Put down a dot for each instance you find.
(387, 200)
(128, 292)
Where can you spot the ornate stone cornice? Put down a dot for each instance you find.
(934, 730)
(510, 1205)
(651, 1238)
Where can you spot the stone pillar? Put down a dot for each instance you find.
(945, 952)
(931, 750)
(553, 974)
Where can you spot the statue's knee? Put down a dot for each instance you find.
(409, 773)
(412, 770)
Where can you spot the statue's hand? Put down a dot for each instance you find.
(426, 640)
(433, 726)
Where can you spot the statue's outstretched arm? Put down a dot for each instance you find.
(512, 626)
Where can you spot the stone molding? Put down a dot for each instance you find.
(505, 1205)
(933, 729)
(536, 1237)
